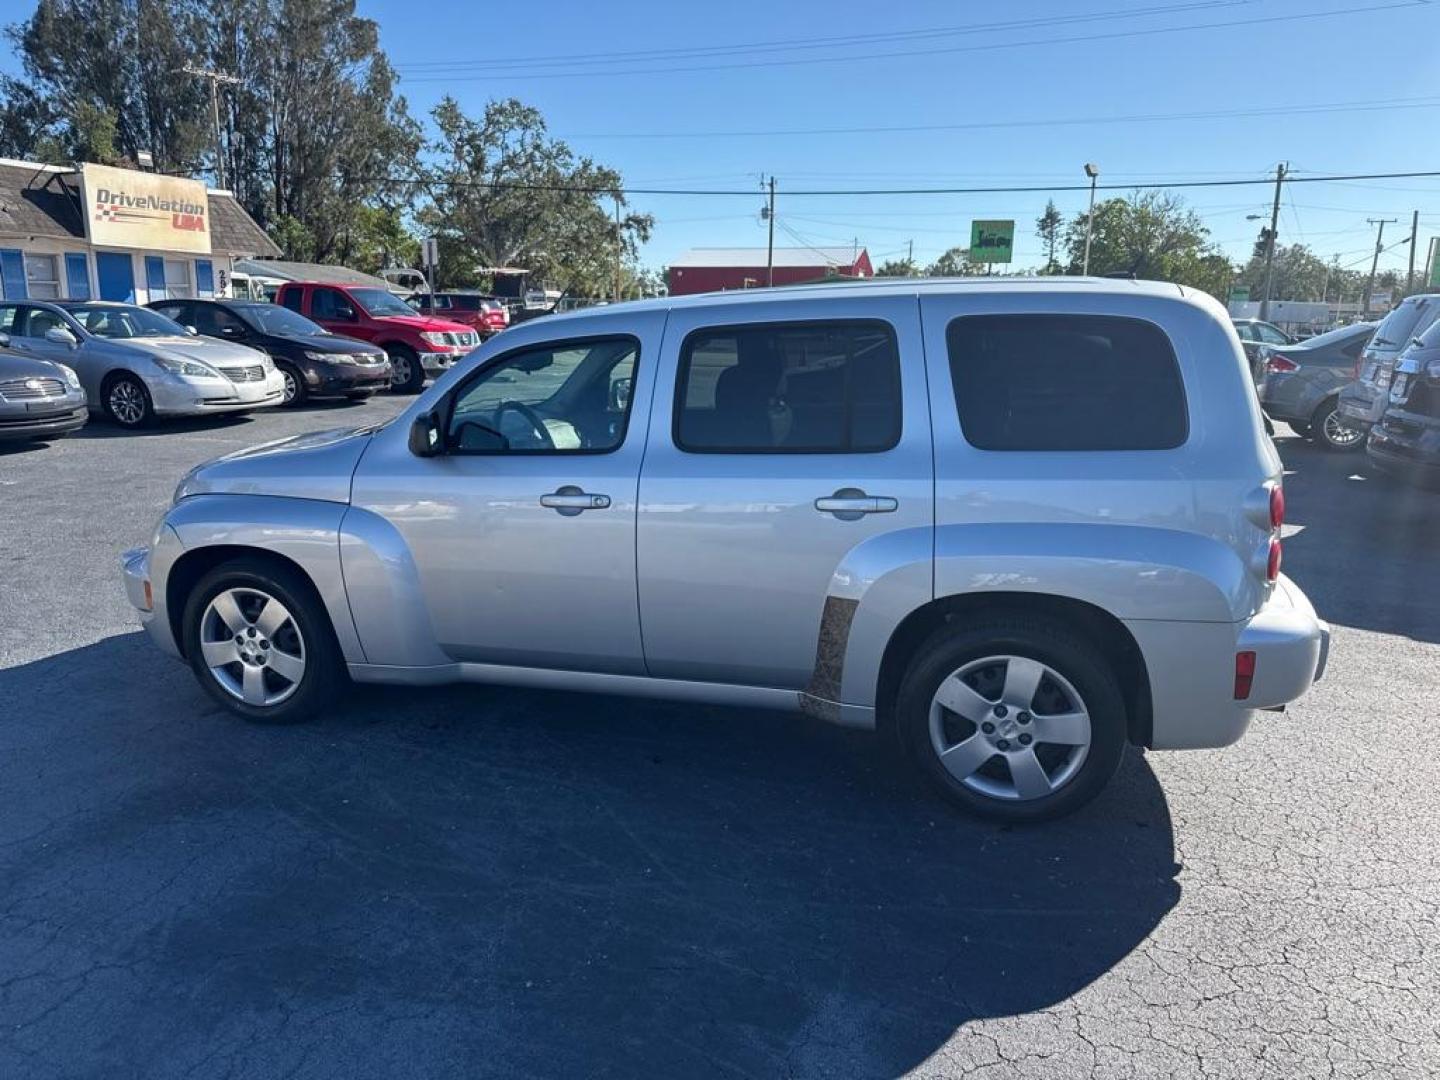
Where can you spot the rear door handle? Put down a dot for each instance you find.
(571, 500)
(850, 504)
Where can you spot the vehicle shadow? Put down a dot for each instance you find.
(1362, 546)
(487, 881)
(101, 428)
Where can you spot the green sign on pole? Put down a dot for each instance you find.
(1239, 294)
(1434, 265)
(992, 241)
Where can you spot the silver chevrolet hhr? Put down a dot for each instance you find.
(1017, 524)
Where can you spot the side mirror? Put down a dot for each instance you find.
(59, 335)
(4, 340)
(346, 313)
(425, 436)
(620, 394)
(192, 331)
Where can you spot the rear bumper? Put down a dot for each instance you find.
(51, 425)
(1192, 668)
(1362, 403)
(1406, 444)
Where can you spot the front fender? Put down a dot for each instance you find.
(305, 531)
(383, 585)
(1133, 572)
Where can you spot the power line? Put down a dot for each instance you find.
(1381, 105)
(592, 73)
(795, 44)
(515, 185)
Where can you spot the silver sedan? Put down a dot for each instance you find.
(135, 364)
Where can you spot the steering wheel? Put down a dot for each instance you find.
(531, 417)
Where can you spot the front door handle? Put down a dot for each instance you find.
(571, 500)
(851, 504)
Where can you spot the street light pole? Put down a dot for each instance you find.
(1093, 172)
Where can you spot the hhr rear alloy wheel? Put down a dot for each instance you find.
(1014, 719)
(260, 643)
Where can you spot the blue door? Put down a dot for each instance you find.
(116, 276)
(77, 276)
(12, 275)
(155, 277)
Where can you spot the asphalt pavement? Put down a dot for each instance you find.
(496, 882)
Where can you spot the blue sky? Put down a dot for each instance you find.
(1022, 75)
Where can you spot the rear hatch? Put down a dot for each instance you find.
(1412, 318)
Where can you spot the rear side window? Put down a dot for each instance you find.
(1407, 321)
(789, 388)
(1066, 382)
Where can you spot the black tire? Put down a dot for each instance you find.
(324, 677)
(295, 389)
(1300, 427)
(407, 376)
(1059, 648)
(126, 400)
(1323, 430)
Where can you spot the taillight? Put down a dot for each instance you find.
(1272, 564)
(1277, 506)
(1244, 674)
(1281, 364)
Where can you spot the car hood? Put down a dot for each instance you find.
(425, 324)
(330, 343)
(20, 365)
(206, 350)
(314, 466)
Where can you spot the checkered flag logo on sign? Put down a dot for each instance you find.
(105, 213)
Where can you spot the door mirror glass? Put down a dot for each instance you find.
(425, 436)
(192, 331)
(59, 335)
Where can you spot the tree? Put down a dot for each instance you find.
(1151, 235)
(955, 263)
(502, 192)
(897, 268)
(1047, 228)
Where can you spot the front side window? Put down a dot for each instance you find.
(380, 302)
(42, 276)
(570, 397)
(789, 388)
(332, 304)
(1066, 382)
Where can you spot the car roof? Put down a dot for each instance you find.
(870, 287)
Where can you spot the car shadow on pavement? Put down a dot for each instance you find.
(1367, 547)
(488, 881)
(99, 428)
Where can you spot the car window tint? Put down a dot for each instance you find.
(7, 318)
(571, 397)
(1246, 332)
(1270, 336)
(41, 320)
(1065, 382)
(328, 303)
(817, 388)
(291, 299)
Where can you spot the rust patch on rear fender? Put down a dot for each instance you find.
(835, 620)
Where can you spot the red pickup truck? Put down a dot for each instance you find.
(418, 345)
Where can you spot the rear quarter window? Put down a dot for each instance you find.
(1066, 382)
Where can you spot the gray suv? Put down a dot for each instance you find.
(1015, 524)
(1363, 402)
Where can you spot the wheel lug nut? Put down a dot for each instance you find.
(1024, 718)
(239, 639)
(264, 644)
(250, 632)
(1025, 740)
(988, 728)
(1000, 711)
(1003, 744)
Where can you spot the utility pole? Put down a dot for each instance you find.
(1270, 244)
(770, 244)
(910, 257)
(1414, 243)
(1333, 264)
(1093, 172)
(215, 78)
(1375, 262)
(619, 249)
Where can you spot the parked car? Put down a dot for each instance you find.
(1254, 333)
(1015, 523)
(312, 361)
(1303, 383)
(486, 314)
(135, 364)
(417, 345)
(1406, 441)
(39, 399)
(1363, 402)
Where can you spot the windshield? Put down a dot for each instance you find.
(1399, 326)
(274, 319)
(380, 302)
(1344, 333)
(114, 321)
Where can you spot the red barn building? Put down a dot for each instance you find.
(712, 269)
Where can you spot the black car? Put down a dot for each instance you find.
(1406, 441)
(315, 362)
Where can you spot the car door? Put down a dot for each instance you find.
(335, 311)
(522, 533)
(785, 435)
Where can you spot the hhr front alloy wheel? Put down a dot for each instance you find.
(1015, 719)
(259, 641)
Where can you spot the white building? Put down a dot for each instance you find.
(96, 232)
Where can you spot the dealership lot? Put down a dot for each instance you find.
(504, 882)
